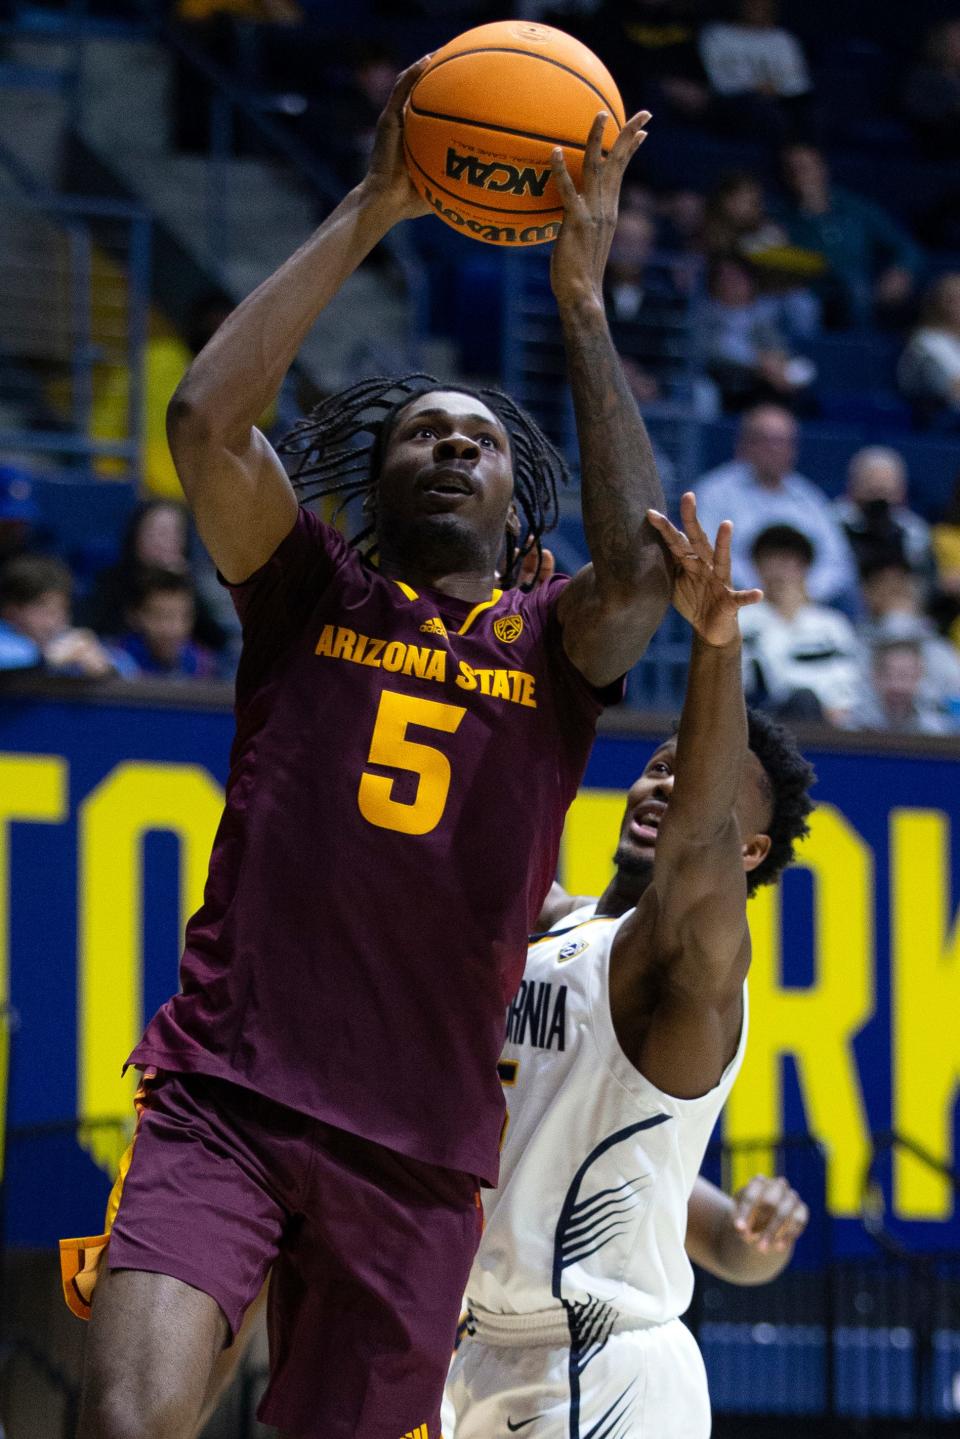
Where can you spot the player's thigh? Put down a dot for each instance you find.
(207, 1193)
(364, 1301)
(644, 1384)
(151, 1346)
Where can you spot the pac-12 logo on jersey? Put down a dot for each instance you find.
(571, 950)
(508, 628)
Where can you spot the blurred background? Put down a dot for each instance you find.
(784, 288)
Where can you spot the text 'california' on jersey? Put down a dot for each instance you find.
(402, 766)
(597, 1164)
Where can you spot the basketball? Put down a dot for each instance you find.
(481, 122)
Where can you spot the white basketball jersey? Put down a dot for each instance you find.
(590, 1215)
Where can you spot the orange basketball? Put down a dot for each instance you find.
(480, 123)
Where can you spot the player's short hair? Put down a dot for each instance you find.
(27, 578)
(327, 458)
(789, 778)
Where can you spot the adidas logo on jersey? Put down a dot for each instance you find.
(419, 1433)
(433, 626)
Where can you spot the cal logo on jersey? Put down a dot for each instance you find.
(508, 628)
(571, 950)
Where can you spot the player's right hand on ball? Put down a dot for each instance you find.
(387, 178)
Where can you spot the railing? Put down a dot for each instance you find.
(230, 102)
(872, 1340)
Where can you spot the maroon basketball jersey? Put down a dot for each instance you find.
(401, 769)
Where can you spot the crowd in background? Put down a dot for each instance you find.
(860, 625)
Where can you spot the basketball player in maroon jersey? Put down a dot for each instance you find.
(322, 1095)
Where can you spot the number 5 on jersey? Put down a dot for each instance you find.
(390, 747)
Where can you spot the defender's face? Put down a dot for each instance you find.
(648, 800)
(447, 461)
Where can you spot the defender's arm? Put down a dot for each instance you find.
(747, 1239)
(612, 607)
(234, 482)
(688, 937)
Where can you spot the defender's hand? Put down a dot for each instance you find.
(702, 592)
(769, 1214)
(589, 219)
(387, 179)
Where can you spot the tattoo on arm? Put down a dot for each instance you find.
(619, 473)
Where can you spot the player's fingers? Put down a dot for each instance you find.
(562, 180)
(746, 597)
(593, 153)
(404, 83)
(791, 1220)
(721, 551)
(631, 137)
(696, 534)
(675, 540)
(745, 1199)
(756, 1204)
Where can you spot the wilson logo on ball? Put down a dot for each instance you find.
(496, 175)
(494, 234)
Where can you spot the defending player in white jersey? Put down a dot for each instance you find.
(622, 1046)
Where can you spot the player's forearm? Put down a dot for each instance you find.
(240, 371)
(711, 741)
(619, 480)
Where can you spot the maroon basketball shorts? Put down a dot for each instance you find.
(370, 1251)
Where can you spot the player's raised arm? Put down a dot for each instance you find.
(613, 606)
(749, 1238)
(239, 493)
(688, 937)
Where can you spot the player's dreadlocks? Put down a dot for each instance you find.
(789, 778)
(327, 458)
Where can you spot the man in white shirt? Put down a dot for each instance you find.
(753, 54)
(791, 647)
(759, 488)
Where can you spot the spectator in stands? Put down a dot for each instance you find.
(874, 514)
(35, 599)
(760, 487)
(893, 596)
(800, 659)
(895, 700)
(873, 263)
(651, 46)
(945, 535)
(749, 341)
(931, 96)
(341, 119)
(19, 512)
(757, 73)
(736, 221)
(157, 537)
(929, 369)
(161, 621)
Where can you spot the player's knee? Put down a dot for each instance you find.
(119, 1412)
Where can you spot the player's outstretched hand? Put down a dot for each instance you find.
(702, 592)
(769, 1214)
(589, 218)
(387, 179)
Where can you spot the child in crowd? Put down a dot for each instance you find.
(36, 594)
(161, 620)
